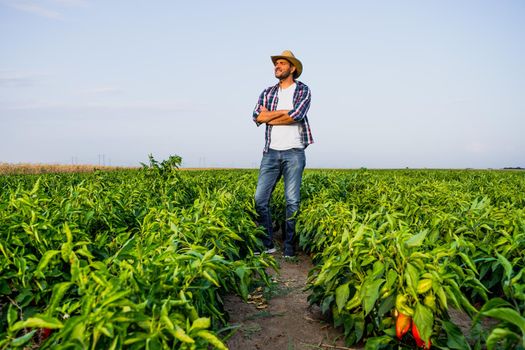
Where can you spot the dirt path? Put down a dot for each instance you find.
(280, 317)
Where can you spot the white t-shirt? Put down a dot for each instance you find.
(285, 137)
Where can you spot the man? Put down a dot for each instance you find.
(283, 109)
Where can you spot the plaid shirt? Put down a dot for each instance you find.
(301, 104)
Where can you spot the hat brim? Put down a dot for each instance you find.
(297, 64)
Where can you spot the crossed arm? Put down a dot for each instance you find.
(280, 117)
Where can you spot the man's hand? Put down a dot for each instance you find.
(280, 117)
(265, 116)
(284, 119)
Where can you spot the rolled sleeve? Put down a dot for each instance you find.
(257, 109)
(301, 104)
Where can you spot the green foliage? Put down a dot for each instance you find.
(128, 259)
(142, 259)
(415, 242)
(165, 169)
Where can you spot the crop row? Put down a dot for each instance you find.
(396, 251)
(128, 259)
(142, 259)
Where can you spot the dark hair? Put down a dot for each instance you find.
(293, 65)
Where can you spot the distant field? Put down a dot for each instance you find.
(28, 168)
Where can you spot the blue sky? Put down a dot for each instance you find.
(435, 84)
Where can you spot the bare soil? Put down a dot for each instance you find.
(281, 317)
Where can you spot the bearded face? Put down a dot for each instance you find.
(283, 69)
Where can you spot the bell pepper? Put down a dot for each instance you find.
(45, 333)
(419, 342)
(402, 325)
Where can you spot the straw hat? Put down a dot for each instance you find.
(288, 55)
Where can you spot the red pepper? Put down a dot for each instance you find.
(419, 342)
(402, 325)
(46, 332)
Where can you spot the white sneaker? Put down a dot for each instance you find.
(270, 250)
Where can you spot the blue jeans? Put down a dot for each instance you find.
(290, 165)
